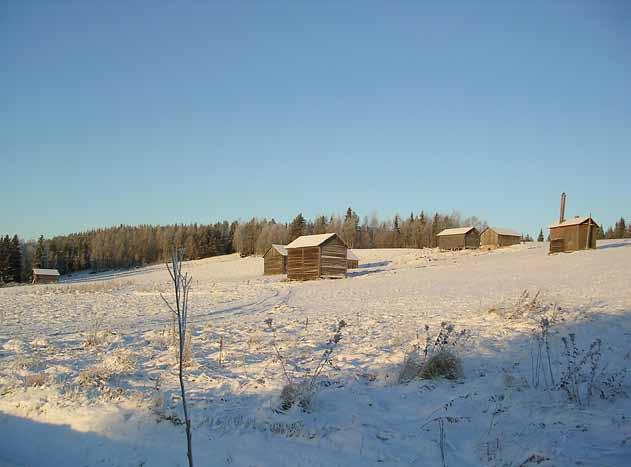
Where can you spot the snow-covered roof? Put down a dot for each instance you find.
(351, 255)
(457, 231)
(574, 221)
(310, 240)
(46, 272)
(507, 232)
(280, 248)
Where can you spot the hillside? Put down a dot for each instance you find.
(88, 375)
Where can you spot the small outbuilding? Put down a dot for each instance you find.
(497, 237)
(459, 238)
(275, 260)
(352, 261)
(574, 234)
(45, 276)
(316, 256)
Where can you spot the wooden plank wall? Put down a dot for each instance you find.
(274, 263)
(451, 242)
(569, 235)
(303, 263)
(333, 262)
(508, 240)
(489, 238)
(472, 239)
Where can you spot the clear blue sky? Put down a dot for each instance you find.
(160, 112)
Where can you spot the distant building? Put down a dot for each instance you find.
(315, 256)
(459, 238)
(496, 237)
(45, 276)
(352, 261)
(574, 234)
(275, 260)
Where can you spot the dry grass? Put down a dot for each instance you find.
(36, 380)
(443, 364)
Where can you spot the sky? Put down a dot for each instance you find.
(134, 112)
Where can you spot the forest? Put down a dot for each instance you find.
(124, 246)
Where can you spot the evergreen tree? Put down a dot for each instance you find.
(349, 228)
(15, 260)
(540, 237)
(600, 233)
(39, 253)
(435, 230)
(297, 228)
(5, 249)
(620, 230)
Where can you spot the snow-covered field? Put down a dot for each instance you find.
(88, 374)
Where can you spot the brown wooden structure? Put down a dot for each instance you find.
(497, 237)
(352, 261)
(459, 238)
(45, 276)
(275, 260)
(316, 256)
(574, 234)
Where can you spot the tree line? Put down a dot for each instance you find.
(131, 246)
(416, 231)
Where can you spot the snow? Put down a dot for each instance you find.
(88, 375)
(504, 231)
(310, 240)
(45, 272)
(455, 231)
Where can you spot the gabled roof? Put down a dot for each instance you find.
(280, 248)
(310, 240)
(457, 231)
(574, 221)
(502, 231)
(351, 255)
(46, 272)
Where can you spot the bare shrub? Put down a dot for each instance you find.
(182, 286)
(584, 377)
(120, 361)
(36, 380)
(443, 364)
(94, 376)
(528, 306)
(94, 336)
(541, 355)
(301, 388)
(435, 356)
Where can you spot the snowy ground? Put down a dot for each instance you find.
(88, 375)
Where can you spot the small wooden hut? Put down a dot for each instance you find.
(45, 276)
(459, 238)
(574, 234)
(315, 256)
(275, 260)
(496, 237)
(352, 261)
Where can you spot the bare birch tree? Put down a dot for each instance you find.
(182, 286)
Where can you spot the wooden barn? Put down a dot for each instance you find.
(45, 276)
(352, 261)
(496, 237)
(315, 256)
(275, 260)
(574, 234)
(459, 238)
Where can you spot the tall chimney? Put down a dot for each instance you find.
(562, 214)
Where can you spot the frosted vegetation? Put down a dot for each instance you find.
(507, 358)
